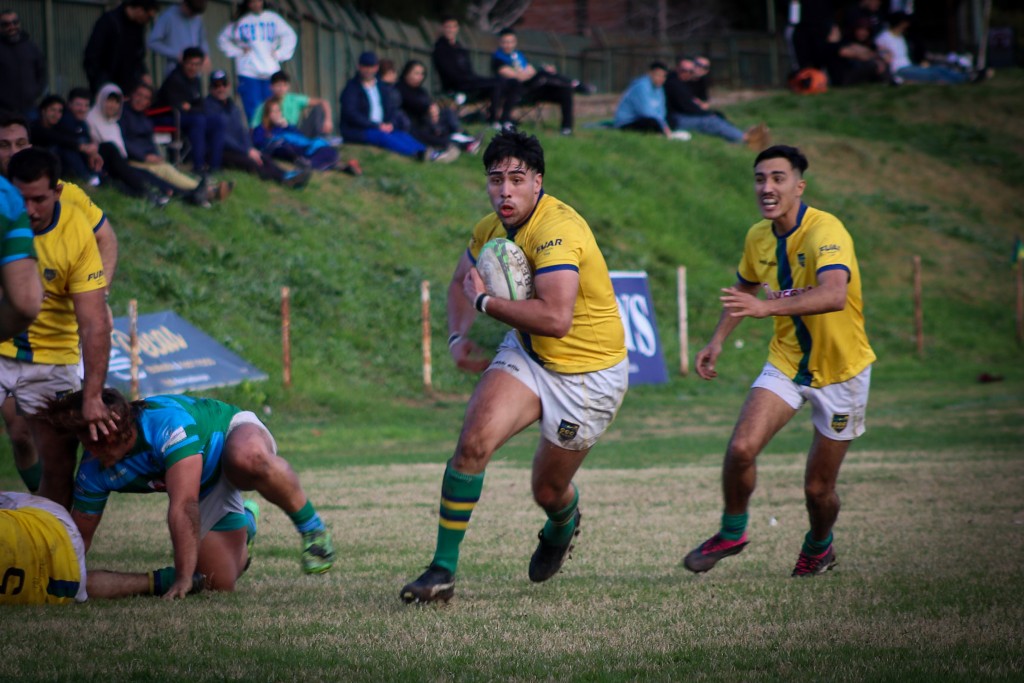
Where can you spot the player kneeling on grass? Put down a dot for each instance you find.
(42, 559)
(564, 363)
(203, 453)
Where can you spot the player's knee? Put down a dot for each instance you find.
(818, 491)
(220, 582)
(472, 455)
(741, 451)
(548, 496)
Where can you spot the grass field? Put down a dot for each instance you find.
(931, 537)
(928, 585)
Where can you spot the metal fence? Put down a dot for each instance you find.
(332, 35)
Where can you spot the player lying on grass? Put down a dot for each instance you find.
(203, 453)
(42, 559)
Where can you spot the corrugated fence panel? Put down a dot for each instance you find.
(72, 24)
(333, 33)
(307, 57)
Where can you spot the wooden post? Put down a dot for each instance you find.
(425, 313)
(918, 313)
(133, 341)
(286, 337)
(1020, 302)
(684, 333)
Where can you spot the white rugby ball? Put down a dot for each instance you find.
(505, 271)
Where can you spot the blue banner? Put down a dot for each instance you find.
(174, 357)
(646, 360)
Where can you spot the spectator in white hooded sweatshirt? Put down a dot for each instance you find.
(259, 41)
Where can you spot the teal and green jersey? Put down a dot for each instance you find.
(170, 429)
(15, 231)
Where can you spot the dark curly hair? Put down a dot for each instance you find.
(65, 414)
(515, 145)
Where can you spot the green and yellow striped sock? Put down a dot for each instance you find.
(459, 495)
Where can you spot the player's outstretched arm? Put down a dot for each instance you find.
(708, 356)
(183, 478)
(94, 329)
(21, 296)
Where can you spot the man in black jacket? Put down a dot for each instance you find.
(183, 93)
(116, 51)
(455, 70)
(22, 67)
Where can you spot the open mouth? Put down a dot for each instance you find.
(769, 202)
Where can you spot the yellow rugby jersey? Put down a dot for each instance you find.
(813, 350)
(555, 237)
(69, 263)
(73, 194)
(38, 563)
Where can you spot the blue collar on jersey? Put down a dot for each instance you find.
(799, 222)
(511, 232)
(56, 219)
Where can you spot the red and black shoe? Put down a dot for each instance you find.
(812, 565)
(707, 554)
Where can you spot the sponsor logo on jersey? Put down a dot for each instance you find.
(839, 422)
(547, 245)
(770, 264)
(828, 248)
(785, 293)
(567, 430)
(95, 276)
(176, 437)
(49, 274)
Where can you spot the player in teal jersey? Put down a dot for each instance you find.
(21, 291)
(202, 452)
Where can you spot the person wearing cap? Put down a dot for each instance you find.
(367, 113)
(259, 41)
(238, 148)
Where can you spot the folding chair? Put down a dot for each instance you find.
(169, 135)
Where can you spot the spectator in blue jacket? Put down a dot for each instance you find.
(367, 115)
(279, 138)
(642, 107)
(239, 151)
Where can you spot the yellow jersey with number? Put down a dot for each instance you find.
(38, 561)
(69, 263)
(812, 350)
(553, 238)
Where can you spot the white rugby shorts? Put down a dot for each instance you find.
(837, 410)
(224, 498)
(34, 384)
(576, 409)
